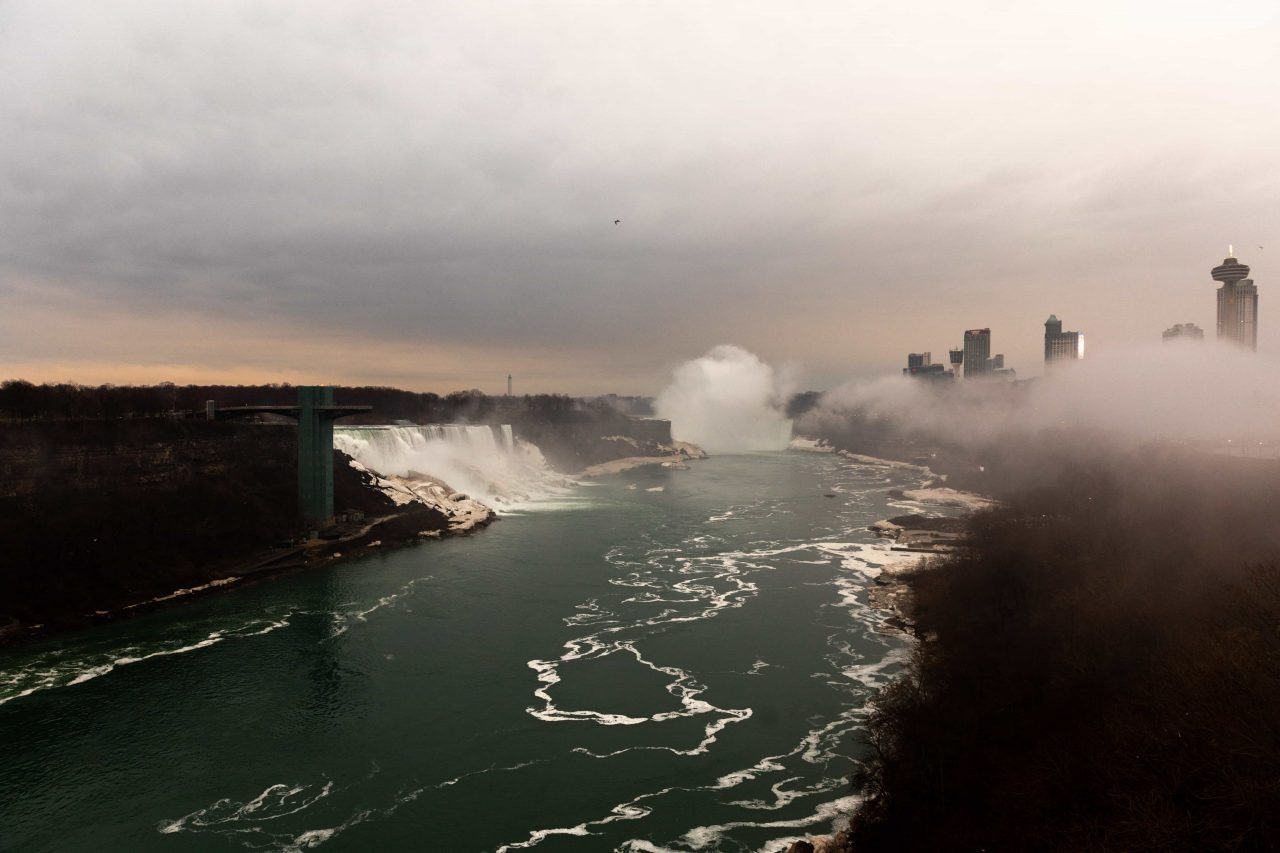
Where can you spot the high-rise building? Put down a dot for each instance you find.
(1237, 303)
(957, 359)
(977, 352)
(921, 364)
(1183, 332)
(1060, 345)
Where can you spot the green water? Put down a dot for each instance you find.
(635, 670)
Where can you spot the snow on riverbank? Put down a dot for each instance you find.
(464, 512)
(810, 445)
(675, 455)
(819, 445)
(942, 496)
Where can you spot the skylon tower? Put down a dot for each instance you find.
(1237, 302)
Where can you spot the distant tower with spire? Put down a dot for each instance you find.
(508, 384)
(1237, 302)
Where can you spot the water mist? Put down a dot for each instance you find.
(727, 401)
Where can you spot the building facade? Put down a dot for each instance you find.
(1183, 332)
(1059, 345)
(1237, 304)
(977, 352)
(920, 364)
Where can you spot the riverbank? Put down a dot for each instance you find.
(1101, 671)
(673, 455)
(928, 535)
(381, 523)
(931, 537)
(104, 519)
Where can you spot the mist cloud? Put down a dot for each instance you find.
(1196, 391)
(728, 401)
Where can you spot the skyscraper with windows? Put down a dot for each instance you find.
(1060, 345)
(977, 352)
(1237, 303)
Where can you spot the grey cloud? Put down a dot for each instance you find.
(830, 189)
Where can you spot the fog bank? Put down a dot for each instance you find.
(1199, 391)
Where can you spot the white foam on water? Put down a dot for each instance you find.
(70, 666)
(702, 837)
(711, 583)
(679, 578)
(757, 667)
(67, 668)
(784, 797)
(274, 802)
(345, 619)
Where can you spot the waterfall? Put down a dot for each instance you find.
(484, 462)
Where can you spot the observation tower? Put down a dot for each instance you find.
(1237, 302)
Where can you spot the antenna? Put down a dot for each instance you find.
(1231, 251)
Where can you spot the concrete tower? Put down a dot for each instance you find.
(1237, 303)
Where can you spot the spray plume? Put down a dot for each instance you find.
(728, 401)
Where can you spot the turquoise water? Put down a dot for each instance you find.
(636, 670)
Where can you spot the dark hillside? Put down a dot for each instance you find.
(1102, 670)
(98, 516)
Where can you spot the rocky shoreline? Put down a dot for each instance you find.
(929, 536)
(673, 455)
(420, 514)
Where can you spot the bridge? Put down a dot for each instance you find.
(315, 414)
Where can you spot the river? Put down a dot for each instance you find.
(628, 669)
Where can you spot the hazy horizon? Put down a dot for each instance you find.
(424, 195)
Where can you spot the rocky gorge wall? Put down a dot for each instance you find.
(96, 516)
(577, 440)
(95, 455)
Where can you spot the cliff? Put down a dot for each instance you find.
(97, 516)
(575, 440)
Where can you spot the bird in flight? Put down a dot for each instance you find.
(617, 222)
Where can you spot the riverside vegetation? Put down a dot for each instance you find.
(1099, 670)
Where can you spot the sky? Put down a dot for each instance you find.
(423, 194)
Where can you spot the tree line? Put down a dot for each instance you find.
(23, 402)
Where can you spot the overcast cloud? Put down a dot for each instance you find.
(423, 194)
